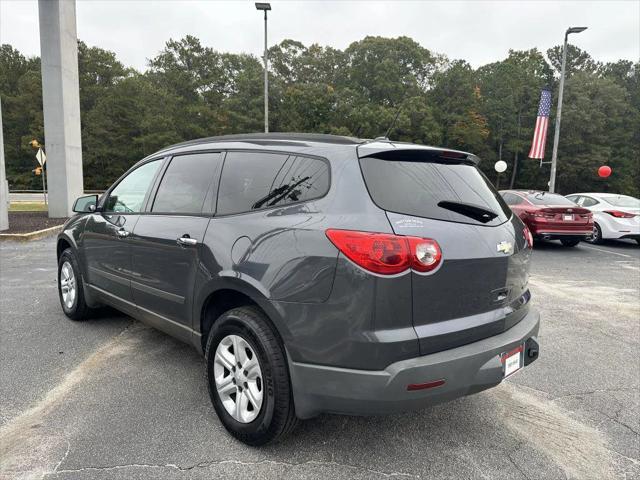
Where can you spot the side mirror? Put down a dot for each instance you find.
(86, 204)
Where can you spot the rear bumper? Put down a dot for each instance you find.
(466, 370)
(558, 232)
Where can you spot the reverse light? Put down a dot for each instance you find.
(426, 254)
(387, 254)
(619, 214)
(528, 237)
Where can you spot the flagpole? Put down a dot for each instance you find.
(556, 136)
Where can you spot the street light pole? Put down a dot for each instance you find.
(556, 136)
(265, 7)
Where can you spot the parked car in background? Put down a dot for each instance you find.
(614, 216)
(315, 273)
(550, 216)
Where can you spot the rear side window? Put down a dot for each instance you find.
(186, 182)
(256, 180)
(546, 198)
(454, 192)
(586, 202)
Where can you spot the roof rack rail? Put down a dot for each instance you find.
(300, 137)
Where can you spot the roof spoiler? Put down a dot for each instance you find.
(415, 153)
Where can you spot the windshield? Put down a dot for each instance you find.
(455, 192)
(546, 198)
(622, 201)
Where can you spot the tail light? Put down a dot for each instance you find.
(527, 236)
(387, 254)
(619, 214)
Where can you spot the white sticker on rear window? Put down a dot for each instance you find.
(409, 223)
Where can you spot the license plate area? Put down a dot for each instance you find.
(567, 218)
(512, 361)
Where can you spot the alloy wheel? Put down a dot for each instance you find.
(68, 285)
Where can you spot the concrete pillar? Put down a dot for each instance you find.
(61, 103)
(4, 188)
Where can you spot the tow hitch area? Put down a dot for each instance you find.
(531, 351)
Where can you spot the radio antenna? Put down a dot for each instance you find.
(395, 119)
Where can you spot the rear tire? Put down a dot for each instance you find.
(275, 418)
(570, 243)
(71, 287)
(596, 237)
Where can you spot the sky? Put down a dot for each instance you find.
(477, 31)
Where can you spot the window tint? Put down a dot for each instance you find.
(128, 195)
(546, 198)
(185, 183)
(256, 180)
(455, 192)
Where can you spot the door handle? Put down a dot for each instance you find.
(122, 233)
(186, 241)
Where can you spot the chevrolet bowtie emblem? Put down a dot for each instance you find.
(505, 247)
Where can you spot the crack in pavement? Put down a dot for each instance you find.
(591, 392)
(513, 462)
(210, 463)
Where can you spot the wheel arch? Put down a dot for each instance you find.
(230, 293)
(64, 242)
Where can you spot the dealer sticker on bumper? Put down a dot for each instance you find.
(512, 360)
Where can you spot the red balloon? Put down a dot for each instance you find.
(604, 171)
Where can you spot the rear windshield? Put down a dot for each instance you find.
(545, 198)
(454, 192)
(622, 201)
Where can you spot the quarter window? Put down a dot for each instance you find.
(253, 181)
(128, 195)
(186, 182)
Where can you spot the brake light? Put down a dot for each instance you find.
(619, 214)
(527, 236)
(387, 254)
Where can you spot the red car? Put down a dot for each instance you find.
(550, 216)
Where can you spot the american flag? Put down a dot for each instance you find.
(542, 123)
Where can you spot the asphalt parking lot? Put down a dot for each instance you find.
(111, 398)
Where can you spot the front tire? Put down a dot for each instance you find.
(248, 378)
(70, 287)
(570, 243)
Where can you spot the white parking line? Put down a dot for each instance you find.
(606, 251)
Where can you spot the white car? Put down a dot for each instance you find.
(614, 216)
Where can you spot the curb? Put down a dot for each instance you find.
(26, 237)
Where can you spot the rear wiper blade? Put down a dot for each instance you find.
(481, 214)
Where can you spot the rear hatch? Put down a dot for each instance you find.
(480, 288)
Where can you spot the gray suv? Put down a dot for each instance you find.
(315, 273)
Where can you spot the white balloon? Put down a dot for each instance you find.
(500, 166)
